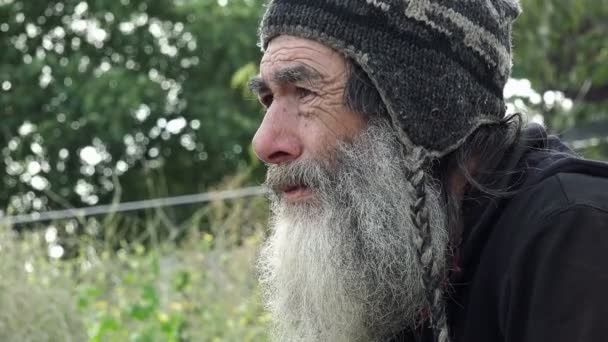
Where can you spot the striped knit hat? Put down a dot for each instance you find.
(440, 66)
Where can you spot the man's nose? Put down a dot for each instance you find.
(276, 140)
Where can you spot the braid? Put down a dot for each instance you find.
(433, 269)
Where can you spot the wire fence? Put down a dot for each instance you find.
(35, 217)
(133, 206)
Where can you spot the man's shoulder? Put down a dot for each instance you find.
(563, 191)
(559, 192)
(584, 190)
(541, 210)
(552, 193)
(561, 249)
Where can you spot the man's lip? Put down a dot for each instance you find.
(296, 193)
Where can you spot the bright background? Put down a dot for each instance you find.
(105, 102)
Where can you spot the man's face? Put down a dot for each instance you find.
(301, 85)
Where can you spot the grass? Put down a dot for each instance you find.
(201, 287)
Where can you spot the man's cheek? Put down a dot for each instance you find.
(314, 109)
(327, 110)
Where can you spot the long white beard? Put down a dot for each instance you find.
(343, 266)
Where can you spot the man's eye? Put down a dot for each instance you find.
(303, 92)
(266, 100)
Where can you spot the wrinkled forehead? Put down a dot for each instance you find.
(288, 51)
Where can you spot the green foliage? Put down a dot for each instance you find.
(35, 294)
(561, 46)
(97, 93)
(190, 294)
(202, 289)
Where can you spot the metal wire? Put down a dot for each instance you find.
(132, 206)
(177, 200)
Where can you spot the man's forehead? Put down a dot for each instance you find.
(286, 46)
(289, 74)
(288, 51)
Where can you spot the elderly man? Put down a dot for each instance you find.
(405, 205)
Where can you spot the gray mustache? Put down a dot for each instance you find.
(310, 173)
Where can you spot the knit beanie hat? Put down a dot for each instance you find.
(439, 66)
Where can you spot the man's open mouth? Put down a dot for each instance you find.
(295, 193)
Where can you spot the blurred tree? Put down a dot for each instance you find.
(149, 95)
(131, 92)
(561, 46)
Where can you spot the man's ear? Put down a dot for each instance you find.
(459, 178)
(458, 183)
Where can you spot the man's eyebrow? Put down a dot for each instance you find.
(257, 85)
(297, 74)
(289, 75)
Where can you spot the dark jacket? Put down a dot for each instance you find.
(534, 267)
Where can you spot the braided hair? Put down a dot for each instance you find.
(361, 96)
(433, 265)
